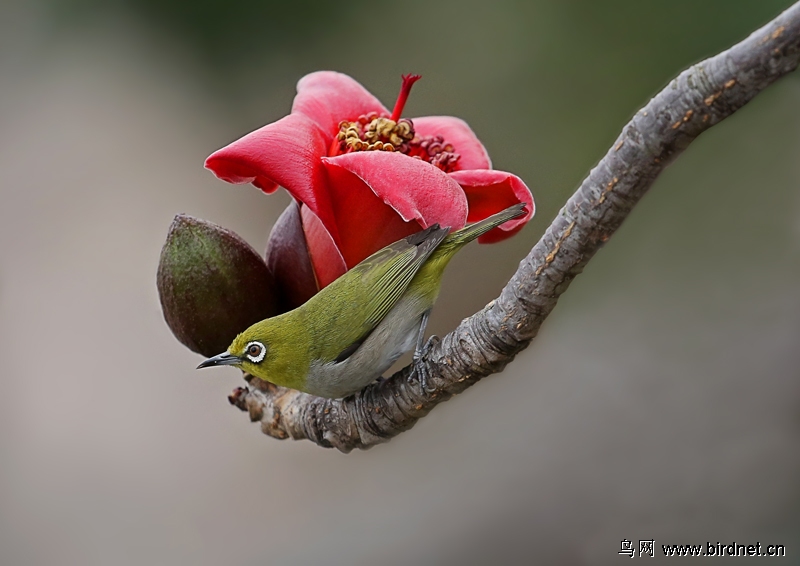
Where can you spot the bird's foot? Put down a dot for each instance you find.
(418, 367)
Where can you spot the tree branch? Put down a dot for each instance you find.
(697, 99)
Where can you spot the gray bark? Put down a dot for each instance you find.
(696, 100)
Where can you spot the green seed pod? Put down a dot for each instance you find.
(212, 285)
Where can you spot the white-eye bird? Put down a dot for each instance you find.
(345, 337)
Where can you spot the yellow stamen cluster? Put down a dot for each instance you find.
(374, 133)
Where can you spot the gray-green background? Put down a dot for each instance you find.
(660, 401)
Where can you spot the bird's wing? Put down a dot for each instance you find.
(368, 292)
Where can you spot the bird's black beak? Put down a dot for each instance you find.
(223, 359)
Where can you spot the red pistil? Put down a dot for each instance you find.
(408, 81)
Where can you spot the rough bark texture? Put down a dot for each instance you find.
(697, 99)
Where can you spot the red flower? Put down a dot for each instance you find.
(364, 177)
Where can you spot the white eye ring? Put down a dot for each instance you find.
(262, 351)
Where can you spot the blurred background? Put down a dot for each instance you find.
(660, 401)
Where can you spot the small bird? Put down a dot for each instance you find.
(345, 337)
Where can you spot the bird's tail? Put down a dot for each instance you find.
(429, 277)
(464, 236)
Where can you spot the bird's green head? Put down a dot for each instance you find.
(262, 351)
(248, 352)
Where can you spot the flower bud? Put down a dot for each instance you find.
(212, 285)
(288, 259)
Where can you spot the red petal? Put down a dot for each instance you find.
(289, 261)
(284, 153)
(328, 262)
(455, 131)
(378, 196)
(328, 98)
(490, 191)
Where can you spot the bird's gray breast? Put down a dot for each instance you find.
(395, 335)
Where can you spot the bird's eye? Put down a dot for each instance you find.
(255, 352)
